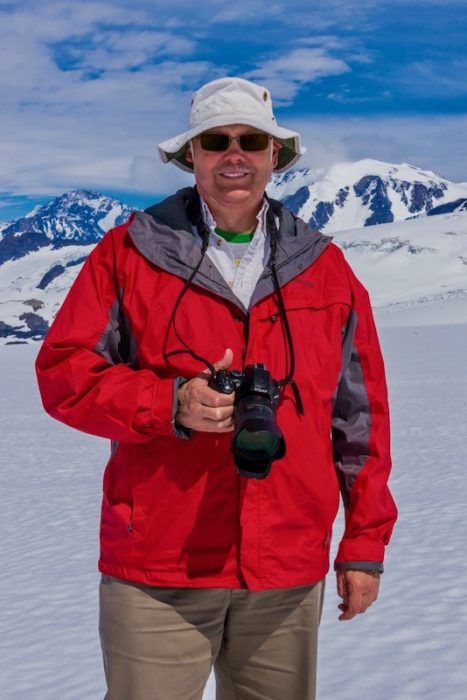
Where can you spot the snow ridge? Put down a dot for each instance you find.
(364, 193)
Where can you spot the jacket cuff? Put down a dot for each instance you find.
(155, 407)
(358, 550)
(179, 430)
(359, 566)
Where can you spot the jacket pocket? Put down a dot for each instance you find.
(316, 323)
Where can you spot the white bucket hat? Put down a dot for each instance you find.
(230, 101)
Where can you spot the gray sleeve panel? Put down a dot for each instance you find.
(117, 344)
(360, 566)
(351, 418)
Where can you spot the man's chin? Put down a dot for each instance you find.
(237, 194)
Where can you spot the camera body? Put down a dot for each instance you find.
(254, 380)
(257, 439)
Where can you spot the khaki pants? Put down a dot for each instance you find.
(160, 643)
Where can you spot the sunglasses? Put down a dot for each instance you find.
(221, 142)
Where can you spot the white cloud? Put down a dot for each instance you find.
(109, 51)
(430, 78)
(286, 74)
(241, 11)
(302, 65)
(94, 133)
(317, 17)
(325, 41)
(60, 129)
(433, 143)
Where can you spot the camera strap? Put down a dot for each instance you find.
(196, 217)
(273, 236)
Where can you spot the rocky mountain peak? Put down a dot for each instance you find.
(364, 193)
(78, 217)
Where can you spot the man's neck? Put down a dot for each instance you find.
(233, 218)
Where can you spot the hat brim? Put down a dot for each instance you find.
(174, 150)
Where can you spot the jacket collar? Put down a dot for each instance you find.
(164, 235)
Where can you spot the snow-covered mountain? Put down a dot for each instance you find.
(421, 256)
(3, 226)
(79, 217)
(364, 193)
(41, 254)
(32, 288)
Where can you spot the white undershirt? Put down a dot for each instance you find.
(241, 265)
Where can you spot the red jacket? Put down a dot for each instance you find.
(174, 510)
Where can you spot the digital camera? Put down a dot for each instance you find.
(257, 440)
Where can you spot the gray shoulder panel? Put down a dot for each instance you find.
(178, 251)
(164, 236)
(298, 248)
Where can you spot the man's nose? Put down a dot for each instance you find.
(234, 148)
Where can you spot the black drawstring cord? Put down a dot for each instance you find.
(195, 215)
(283, 314)
(204, 234)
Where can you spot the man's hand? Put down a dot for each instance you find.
(358, 590)
(205, 409)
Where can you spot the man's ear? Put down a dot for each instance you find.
(276, 147)
(189, 153)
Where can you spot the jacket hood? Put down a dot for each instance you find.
(164, 234)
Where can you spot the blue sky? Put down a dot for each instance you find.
(87, 89)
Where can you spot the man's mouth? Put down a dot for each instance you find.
(233, 174)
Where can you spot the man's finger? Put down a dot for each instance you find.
(218, 413)
(226, 360)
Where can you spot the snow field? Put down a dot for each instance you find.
(409, 645)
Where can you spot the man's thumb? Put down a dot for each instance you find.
(226, 361)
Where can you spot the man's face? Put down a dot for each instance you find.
(233, 177)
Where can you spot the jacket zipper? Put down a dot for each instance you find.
(246, 333)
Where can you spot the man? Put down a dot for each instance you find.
(201, 565)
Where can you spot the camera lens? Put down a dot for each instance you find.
(260, 441)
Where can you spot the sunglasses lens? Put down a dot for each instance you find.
(221, 142)
(254, 142)
(214, 142)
